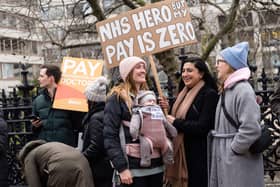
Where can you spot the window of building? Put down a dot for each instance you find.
(269, 18)
(52, 55)
(7, 45)
(10, 71)
(54, 33)
(34, 47)
(76, 10)
(18, 46)
(270, 36)
(2, 45)
(246, 20)
(4, 19)
(15, 21)
(52, 12)
(24, 24)
(12, 21)
(14, 45)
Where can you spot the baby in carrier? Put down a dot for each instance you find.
(149, 125)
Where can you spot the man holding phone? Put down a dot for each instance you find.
(35, 120)
(48, 123)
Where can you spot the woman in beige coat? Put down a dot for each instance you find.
(54, 164)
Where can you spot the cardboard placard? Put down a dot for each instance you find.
(145, 31)
(77, 74)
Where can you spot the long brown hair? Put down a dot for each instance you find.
(126, 88)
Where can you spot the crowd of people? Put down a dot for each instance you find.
(129, 141)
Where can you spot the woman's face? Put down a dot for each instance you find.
(223, 70)
(139, 74)
(191, 75)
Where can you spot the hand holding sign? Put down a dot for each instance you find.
(145, 31)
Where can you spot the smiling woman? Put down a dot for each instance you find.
(193, 115)
(118, 111)
(191, 75)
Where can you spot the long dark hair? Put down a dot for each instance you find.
(203, 68)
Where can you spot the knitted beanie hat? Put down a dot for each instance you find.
(97, 90)
(127, 64)
(144, 96)
(236, 56)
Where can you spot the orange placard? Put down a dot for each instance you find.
(77, 74)
(146, 30)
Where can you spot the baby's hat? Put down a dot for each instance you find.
(144, 96)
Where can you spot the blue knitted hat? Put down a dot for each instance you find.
(236, 56)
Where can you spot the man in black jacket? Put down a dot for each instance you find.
(3, 152)
(52, 124)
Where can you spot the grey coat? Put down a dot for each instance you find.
(230, 162)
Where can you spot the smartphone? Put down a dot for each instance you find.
(33, 117)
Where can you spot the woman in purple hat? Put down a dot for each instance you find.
(231, 164)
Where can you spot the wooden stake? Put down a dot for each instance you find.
(154, 71)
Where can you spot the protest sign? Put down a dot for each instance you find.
(146, 30)
(77, 74)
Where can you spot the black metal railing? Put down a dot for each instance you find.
(16, 107)
(272, 155)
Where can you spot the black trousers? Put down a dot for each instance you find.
(103, 183)
(147, 181)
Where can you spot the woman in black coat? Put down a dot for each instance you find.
(193, 115)
(93, 146)
(3, 152)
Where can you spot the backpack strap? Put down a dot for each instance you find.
(229, 118)
(122, 139)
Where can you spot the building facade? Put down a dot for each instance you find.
(18, 42)
(259, 25)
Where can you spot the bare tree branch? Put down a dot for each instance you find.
(96, 9)
(227, 27)
(214, 5)
(130, 4)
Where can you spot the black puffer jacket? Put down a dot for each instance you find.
(115, 112)
(3, 152)
(58, 125)
(93, 147)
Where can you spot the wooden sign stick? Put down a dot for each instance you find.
(154, 71)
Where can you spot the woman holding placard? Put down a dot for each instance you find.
(118, 142)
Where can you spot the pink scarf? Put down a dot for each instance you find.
(238, 75)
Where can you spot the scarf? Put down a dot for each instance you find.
(177, 173)
(238, 75)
